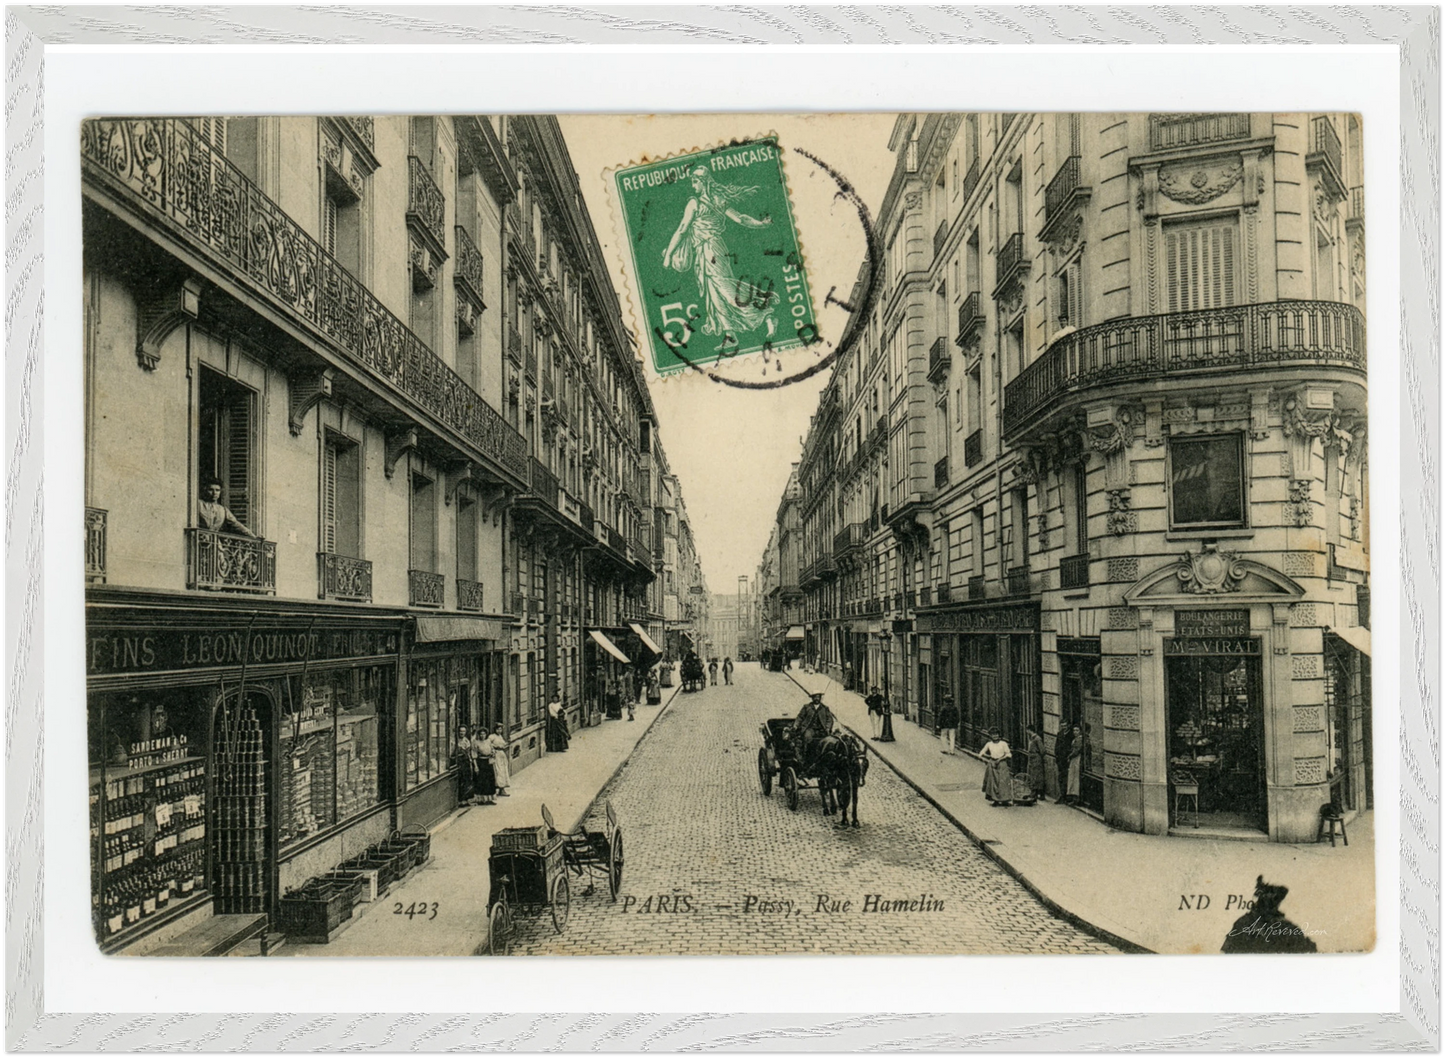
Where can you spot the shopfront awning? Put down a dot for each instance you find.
(646, 639)
(1357, 637)
(611, 647)
(447, 629)
(796, 632)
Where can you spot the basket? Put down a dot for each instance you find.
(368, 890)
(314, 911)
(520, 838)
(419, 837)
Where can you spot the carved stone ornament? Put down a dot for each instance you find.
(913, 200)
(1114, 436)
(1209, 571)
(531, 404)
(1194, 185)
(1301, 511)
(1011, 300)
(514, 390)
(423, 269)
(1120, 520)
(1063, 239)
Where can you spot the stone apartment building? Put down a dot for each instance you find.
(1095, 455)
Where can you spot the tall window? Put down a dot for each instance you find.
(1013, 218)
(1019, 512)
(971, 263)
(341, 221)
(466, 537)
(1206, 479)
(341, 497)
(1076, 508)
(977, 542)
(226, 447)
(1015, 349)
(423, 523)
(1069, 297)
(1199, 257)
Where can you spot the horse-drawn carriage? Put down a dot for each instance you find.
(834, 763)
(694, 677)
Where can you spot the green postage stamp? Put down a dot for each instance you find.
(715, 254)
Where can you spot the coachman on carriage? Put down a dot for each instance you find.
(811, 751)
(693, 676)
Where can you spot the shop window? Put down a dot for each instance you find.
(1207, 481)
(226, 447)
(437, 688)
(341, 497)
(1200, 263)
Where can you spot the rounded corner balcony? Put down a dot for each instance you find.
(1261, 337)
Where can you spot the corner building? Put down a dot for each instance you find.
(1096, 455)
(394, 344)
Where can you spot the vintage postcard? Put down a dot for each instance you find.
(727, 534)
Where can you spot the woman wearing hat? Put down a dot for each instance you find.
(997, 780)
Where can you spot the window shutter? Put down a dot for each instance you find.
(238, 458)
(1075, 304)
(328, 499)
(1200, 259)
(328, 223)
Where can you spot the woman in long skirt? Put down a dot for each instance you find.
(501, 763)
(462, 757)
(998, 780)
(1076, 765)
(1063, 742)
(1036, 763)
(486, 778)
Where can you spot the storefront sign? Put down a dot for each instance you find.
(114, 651)
(1211, 623)
(1182, 647)
(990, 619)
(1086, 645)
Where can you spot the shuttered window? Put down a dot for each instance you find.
(1200, 260)
(340, 498)
(226, 446)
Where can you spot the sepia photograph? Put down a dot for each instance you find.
(728, 534)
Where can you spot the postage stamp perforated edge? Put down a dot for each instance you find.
(637, 316)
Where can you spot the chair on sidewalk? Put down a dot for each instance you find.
(1186, 786)
(1330, 817)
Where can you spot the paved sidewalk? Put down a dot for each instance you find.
(454, 879)
(1132, 885)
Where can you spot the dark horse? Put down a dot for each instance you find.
(841, 765)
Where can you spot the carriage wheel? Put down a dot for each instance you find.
(614, 865)
(790, 786)
(561, 902)
(499, 929)
(765, 772)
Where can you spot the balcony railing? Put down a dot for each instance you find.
(849, 537)
(1061, 189)
(532, 364)
(517, 603)
(970, 180)
(94, 544)
(223, 562)
(170, 167)
(1074, 572)
(424, 588)
(1357, 203)
(1018, 580)
(1168, 131)
(1325, 146)
(426, 207)
(1269, 335)
(469, 595)
(970, 318)
(514, 345)
(616, 541)
(976, 589)
(544, 484)
(468, 275)
(1010, 260)
(342, 577)
(586, 517)
(938, 359)
(973, 449)
(940, 473)
(940, 236)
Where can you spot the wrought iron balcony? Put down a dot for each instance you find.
(827, 568)
(532, 364)
(940, 236)
(970, 318)
(1074, 572)
(544, 484)
(938, 359)
(970, 180)
(1169, 131)
(973, 449)
(1010, 261)
(1018, 580)
(514, 345)
(224, 562)
(1326, 152)
(586, 517)
(469, 595)
(342, 577)
(167, 165)
(976, 589)
(849, 537)
(616, 541)
(426, 207)
(940, 473)
(425, 588)
(1065, 188)
(1153, 348)
(468, 274)
(95, 544)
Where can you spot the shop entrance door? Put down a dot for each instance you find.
(1215, 718)
(239, 830)
(1083, 708)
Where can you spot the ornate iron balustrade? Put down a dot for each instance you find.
(1061, 188)
(544, 484)
(426, 207)
(1074, 572)
(364, 127)
(940, 473)
(586, 517)
(531, 364)
(514, 345)
(1268, 335)
(223, 562)
(1325, 146)
(1168, 131)
(976, 589)
(849, 537)
(940, 236)
(341, 577)
(970, 318)
(938, 359)
(95, 525)
(468, 274)
(827, 568)
(1010, 260)
(973, 449)
(1018, 580)
(469, 595)
(970, 180)
(516, 603)
(616, 541)
(167, 165)
(424, 588)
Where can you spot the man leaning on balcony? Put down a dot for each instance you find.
(212, 514)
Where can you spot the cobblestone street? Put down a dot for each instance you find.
(715, 867)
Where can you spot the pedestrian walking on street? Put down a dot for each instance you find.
(948, 723)
(875, 712)
(463, 759)
(1063, 743)
(998, 779)
(887, 707)
(712, 671)
(728, 671)
(496, 746)
(1077, 745)
(556, 735)
(485, 776)
(1036, 762)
